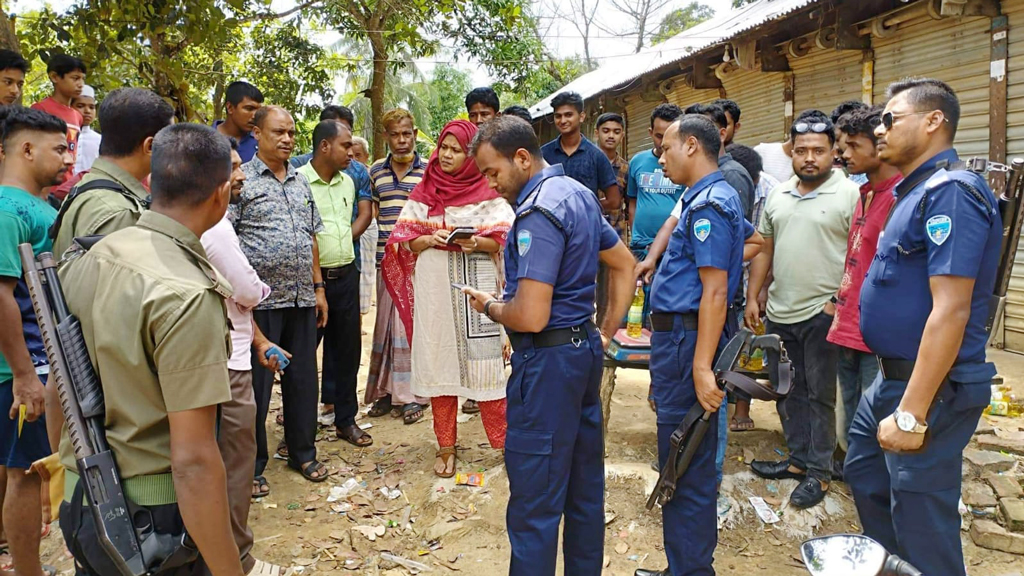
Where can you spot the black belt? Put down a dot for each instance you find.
(334, 273)
(665, 321)
(574, 335)
(897, 369)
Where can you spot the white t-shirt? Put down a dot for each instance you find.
(775, 161)
(88, 149)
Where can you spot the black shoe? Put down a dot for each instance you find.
(775, 470)
(643, 572)
(808, 493)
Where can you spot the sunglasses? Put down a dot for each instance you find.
(805, 127)
(888, 119)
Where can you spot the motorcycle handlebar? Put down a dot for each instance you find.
(894, 566)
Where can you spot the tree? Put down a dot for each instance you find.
(682, 19)
(639, 13)
(739, 3)
(489, 30)
(448, 89)
(581, 16)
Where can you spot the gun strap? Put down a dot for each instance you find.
(976, 165)
(98, 184)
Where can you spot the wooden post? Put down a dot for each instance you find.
(788, 99)
(997, 98)
(867, 77)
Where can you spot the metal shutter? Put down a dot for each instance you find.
(638, 120)
(762, 109)
(1013, 320)
(954, 50)
(825, 78)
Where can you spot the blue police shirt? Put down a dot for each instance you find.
(938, 227)
(711, 232)
(555, 239)
(587, 165)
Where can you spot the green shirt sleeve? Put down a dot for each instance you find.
(13, 231)
(191, 354)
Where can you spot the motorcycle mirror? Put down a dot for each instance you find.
(843, 555)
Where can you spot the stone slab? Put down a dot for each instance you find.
(979, 495)
(988, 534)
(987, 461)
(1005, 485)
(1012, 444)
(1013, 513)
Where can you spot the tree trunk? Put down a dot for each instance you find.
(8, 39)
(377, 83)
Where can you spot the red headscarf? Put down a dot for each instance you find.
(466, 186)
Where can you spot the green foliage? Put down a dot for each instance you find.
(739, 3)
(682, 19)
(448, 88)
(542, 80)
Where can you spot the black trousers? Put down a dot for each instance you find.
(293, 329)
(342, 343)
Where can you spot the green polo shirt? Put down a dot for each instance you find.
(335, 200)
(810, 234)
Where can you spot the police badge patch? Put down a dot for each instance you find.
(938, 228)
(523, 241)
(702, 229)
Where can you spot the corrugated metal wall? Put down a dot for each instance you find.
(825, 78)
(638, 120)
(762, 109)
(683, 95)
(1013, 320)
(955, 50)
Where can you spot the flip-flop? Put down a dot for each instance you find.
(447, 455)
(738, 424)
(282, 451)
(409, 413)
(263, 488)
(354, 435)
(381, 407)
(308, 470)
(470, 407)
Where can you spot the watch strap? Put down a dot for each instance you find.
(919, 427)
(319, 285)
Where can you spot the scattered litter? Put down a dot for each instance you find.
(341, 507)
(764, 512)
(463, 418)
(268, 505)
(748, 455)
(609, 517)
(469, 479)
(371, 532)
(366, 426)
(410, 564)
(607, 561)
(631, 527)
(780, 452)
(339, 492)
(391, 494)
(633, 557)
(621, 548)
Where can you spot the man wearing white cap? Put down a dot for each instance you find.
(89, 139)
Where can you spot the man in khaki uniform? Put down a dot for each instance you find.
(152, 312)
(129, 119)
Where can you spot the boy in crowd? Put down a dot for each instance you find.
(482, 105)
(12, 76)
(241, 101)
(89, 139)
(67, 74)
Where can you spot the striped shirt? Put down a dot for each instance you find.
(390, 194)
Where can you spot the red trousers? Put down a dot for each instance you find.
(446, 410)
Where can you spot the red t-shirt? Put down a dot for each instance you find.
(73, 119)
(860, 251)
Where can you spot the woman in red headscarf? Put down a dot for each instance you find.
(455, 350)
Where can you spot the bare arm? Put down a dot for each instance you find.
(646, 268)
(631, 208)
(201, 485)
(27, 387)
(612, 198)
(362, 222)
(711, 317)
(759, 267)
(528, 311)
(752, 246)
(621, 283)
(321, 298)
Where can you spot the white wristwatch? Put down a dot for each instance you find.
(906, 422)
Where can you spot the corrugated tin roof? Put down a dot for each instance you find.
(622, 69)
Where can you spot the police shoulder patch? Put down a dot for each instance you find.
(938, 228)
(523, 241)
(702, 229)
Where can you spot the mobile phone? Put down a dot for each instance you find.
(282, 360)
(459, 287)
(460, 234)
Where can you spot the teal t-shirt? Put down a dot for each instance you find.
(23, 218)
(655, 195)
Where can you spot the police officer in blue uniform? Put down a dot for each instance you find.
(700, 269)
(923, 311)
(554, 447)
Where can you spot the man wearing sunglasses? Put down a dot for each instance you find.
(806, 224)
(923, 309)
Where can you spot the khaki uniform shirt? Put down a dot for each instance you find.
(153, 317)
(101, 211)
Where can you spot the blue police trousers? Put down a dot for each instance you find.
(908, 502)
(554, 455)
(689, 521)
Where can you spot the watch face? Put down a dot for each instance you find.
(906, 421)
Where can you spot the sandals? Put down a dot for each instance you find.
(470, 407)
(282, 452)
(354, 435)
(381, 407)
(279, 418)
(412, 413)
(313, 467)
(446, 455)
(262, 488)
(738, 424)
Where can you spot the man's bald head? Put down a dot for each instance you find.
(267, 111)
(275, 135)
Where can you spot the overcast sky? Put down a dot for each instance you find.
(561, 36)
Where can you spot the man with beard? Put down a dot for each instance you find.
(923, 308)
(277, 221)
(36, 156)
(553, 448)
(241, 101)
(806, 224)
(236, 437)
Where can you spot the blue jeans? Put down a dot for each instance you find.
(857, 370)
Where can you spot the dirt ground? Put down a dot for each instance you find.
(399, 507)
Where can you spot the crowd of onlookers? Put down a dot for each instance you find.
(310, 240)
